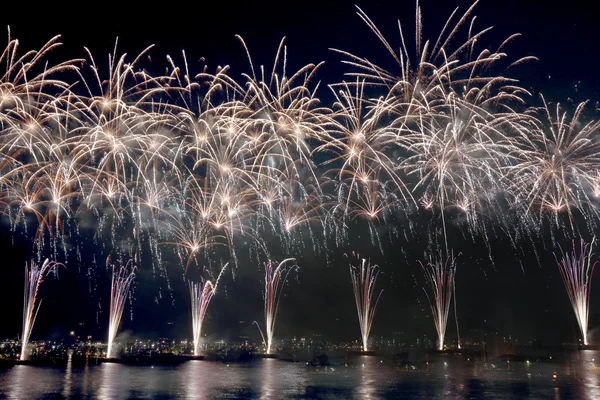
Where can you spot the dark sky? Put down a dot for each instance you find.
(529, 302)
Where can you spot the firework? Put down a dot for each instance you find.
(557, 163)
(197, 161)
(275, 278)
(577, 270)
(440, 274)
(34, 276)
(212, 158)
(458, 345)
(201, 294)
(364, 276)
(121, 283)
(445, 115)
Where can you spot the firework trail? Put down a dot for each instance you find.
(201, 294)
(456, 315)
(121, 283)
(577, 270)
(440, 274)
(275, 277)
(364, 276)
(33, 279)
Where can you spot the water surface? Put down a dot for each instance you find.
(362, 378)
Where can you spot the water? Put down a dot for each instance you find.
(363, 378)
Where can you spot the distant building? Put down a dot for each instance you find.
(497, 345)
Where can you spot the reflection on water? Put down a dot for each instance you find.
(196, 379)
(85, 381)
(110, 381)
(590, 373)
(358, 378)
(369, 371)
(17, 382)
(269, 391)
(68, 373)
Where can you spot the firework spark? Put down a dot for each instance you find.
(34, 276)
(440, 274)
(364, 276)
(558, 163)
(275, 278)
(577, 270)
(201, 294)
(121, 283)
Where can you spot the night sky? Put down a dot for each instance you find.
(525, 299)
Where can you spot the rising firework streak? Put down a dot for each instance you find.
(275, 277)
(33, 279)
(577, 270)
(364, 276)
(201, 294)
(440, 274)
(121, 283)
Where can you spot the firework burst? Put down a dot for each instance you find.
(557, 165)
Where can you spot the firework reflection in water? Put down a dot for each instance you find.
(201, 294)
(121, 283)
(364, 276)
(33, 279)
(275, 277)
(577, 270)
